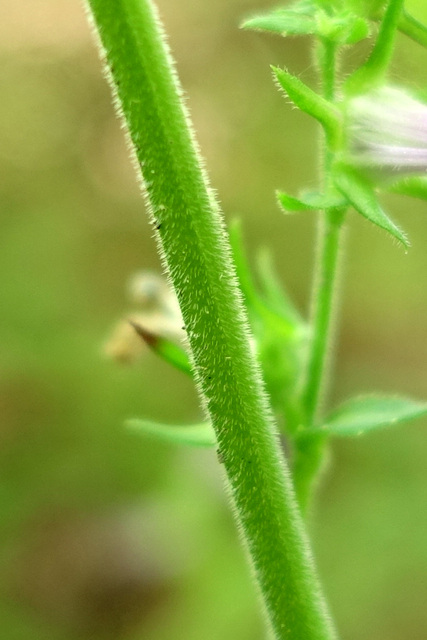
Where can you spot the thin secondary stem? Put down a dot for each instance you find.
(414, 29)
(373, 71)
(324, 290)
(328, 64)
(326, 260)
(309, 452)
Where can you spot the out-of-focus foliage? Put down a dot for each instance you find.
(106, 534)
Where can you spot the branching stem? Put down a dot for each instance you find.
(309, 453)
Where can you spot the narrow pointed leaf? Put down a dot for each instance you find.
(369, 413)
(414, 186)
(310, 102)
(306, 18)
(283, 22)
(165, 348)
(273, 290)
(243, 269)
(283, 324)
(309, 201)
(363, 199)
(280, 332)
(195, 435)
(412, 28)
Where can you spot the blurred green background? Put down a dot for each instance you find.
(106, 535)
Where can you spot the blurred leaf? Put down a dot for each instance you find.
(309, 101)
(309, 201)
(282, 322)
(412, 28)
(307, 18)
(371, 9)
(165, 348)
(414, 186)
(364, 200)
(244, 275)
(298, 19)
(342, 28)
(195, 435)
(281, 334)
(272, 289)
(283, 368)
(368, 413)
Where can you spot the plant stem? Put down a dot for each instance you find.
(326, 258)
(374, 70)
(379, 60)
(324, 289)
(309, 453)
(195, 250)
(328, 68)
(414, 29)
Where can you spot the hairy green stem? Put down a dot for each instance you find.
(309, 453)
(195, 251)
(323, 296)
(379, 60)
(326, 259)
(328, 63)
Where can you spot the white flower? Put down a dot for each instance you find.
(387, 129)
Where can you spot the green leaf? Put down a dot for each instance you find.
(307, 18)
(295, 21)
(280, 332)
(363, 199)
(283, 323)
(244, 274)
(414, 186)
(195, 435)
(310, 102)
(272, 289)
(414, 29)
(165, 348)
(309, 201)
(369, 413)
(342, 28)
